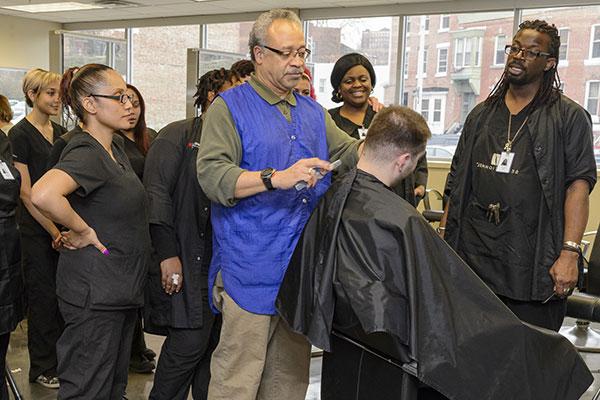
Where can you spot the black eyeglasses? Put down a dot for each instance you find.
(302, 53)
(527, 54)
(122, 98)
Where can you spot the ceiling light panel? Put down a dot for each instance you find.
(53, 7)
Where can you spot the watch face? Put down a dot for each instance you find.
(266, 173)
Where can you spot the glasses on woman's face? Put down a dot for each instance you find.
(529, 55)
(122, 98)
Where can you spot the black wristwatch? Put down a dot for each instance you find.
(266, 175)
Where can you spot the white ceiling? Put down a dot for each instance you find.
(177, 8)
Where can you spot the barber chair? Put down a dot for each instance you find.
(12, 384)
(429, 214)
(585, 305)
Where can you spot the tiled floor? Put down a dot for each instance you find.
(140, 385)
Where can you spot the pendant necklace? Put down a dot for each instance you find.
(509, 141)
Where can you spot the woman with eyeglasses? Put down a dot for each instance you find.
(137, 140)
(31, 140)
(95, 194)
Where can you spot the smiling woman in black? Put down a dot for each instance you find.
(31, 140)
(94, 192)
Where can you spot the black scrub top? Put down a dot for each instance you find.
(12, 303)
(31, 148)
(135, 156)
(9, 187)
(502, 251)
(348, 126)
(60, 144)
(111, 200)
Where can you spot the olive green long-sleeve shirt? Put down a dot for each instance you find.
(220, 152)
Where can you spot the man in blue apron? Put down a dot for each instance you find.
(259, 141)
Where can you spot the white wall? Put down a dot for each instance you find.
(24, 43)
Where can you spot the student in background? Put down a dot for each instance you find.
(6, 115)
(182, 238)
(31, 140)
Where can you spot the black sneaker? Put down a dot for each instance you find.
(141, 366)
(149, 354)
(50, 382)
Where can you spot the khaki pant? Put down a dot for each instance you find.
(258, 356)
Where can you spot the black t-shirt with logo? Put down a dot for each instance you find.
(499, 233)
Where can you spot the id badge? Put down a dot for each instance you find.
(5, 172)
(505, 162)
(362, 133)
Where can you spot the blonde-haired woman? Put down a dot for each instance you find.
(31, 140)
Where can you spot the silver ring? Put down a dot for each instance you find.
(175, 279)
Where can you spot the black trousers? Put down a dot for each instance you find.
(93, 352)
(549, 315)
(44, 322)
(138, 344)
(184, 361)
(4, 339)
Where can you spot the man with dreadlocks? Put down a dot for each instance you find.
(520, 180)
(177, 294)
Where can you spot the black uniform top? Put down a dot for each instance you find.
(499, 247)
(111, 200)
(60, 144)
(348, 126)
(11, 275)
(135, 156)
(9, 188)
(179, 224)
(31, 148)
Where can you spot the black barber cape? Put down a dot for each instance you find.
(402, 279)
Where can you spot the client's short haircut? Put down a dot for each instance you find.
(396, 129)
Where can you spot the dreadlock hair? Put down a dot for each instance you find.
(549, 90)
(212, 81)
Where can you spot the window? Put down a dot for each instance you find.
(579, 57)
(467, 53)
(424, 61)
(437, 110)
(10, 86)
(107, 47)
(595, 42)
(499, 55)
(564, 45)
(426, 23)
(459, 55)
(425, 109)
(442, 66)
(159, 63)
(444, 22)
(406, 56)
(456, 81)
(407, 23)
(592, 96)
(375, 38)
